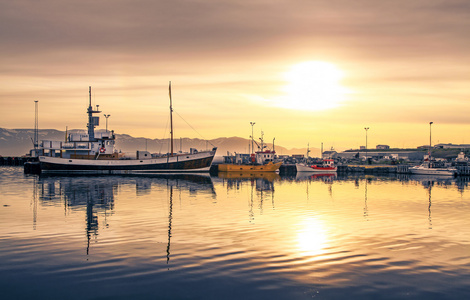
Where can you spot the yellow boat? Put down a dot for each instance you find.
(269, 167)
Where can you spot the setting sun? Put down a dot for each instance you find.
(312, 85)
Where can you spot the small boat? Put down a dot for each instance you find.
(260, 161)
(94, 153)
(328, 166)
(430, 168)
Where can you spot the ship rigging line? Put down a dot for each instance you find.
(194, 129)
(164, 136)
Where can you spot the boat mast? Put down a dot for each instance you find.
(171, 122)
(252, 138)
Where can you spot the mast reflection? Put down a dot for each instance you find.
(170, 217)
(95, 195)
(262, 183)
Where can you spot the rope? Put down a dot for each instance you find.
(164, 136)
(194, 129)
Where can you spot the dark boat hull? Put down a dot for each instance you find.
(199, 162)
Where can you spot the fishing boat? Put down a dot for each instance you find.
(430, 166)
(327, 166)
(260, 161)
(95, 153)
(268, 167)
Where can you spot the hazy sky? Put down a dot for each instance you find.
(306, 71)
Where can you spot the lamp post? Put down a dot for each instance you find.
(36, 128)
(107, 116)
(366, 129)
(430, 145)
(252, 142)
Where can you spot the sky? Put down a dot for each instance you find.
(305, 71)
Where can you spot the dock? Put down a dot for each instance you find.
(16, 160)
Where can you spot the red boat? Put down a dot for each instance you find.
(328, 166)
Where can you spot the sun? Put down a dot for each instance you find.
(312, 85)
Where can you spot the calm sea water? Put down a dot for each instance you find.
(236, 237)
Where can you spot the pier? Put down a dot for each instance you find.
(15, 160)
(31, 164)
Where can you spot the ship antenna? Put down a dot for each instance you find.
(91, 132)
(171, 121)
(92, 121)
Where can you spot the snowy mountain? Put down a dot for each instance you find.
(18, 142)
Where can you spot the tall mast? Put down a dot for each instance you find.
(171, 122)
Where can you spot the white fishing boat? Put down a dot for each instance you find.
(430, 166)
(95, 153)
(327, 166)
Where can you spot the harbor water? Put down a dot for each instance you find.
(233, 236)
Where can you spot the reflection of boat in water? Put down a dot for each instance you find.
(70, 184)
(426, 179)
(300, 176)
(328, 166)
(269, 167)
(262, 181)
(95, 195)
(248, 175)
(95, 153)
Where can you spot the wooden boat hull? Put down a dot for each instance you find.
(249, 168)
(199, 162)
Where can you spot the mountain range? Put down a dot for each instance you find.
(18, 142)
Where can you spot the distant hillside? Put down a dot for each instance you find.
(18, 142)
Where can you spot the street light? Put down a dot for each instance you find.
(107, 116)
(252, 141)
(430, 145)
(366, 129)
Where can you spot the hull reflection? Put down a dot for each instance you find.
(326, 177)
(174, 237)
(96, 194)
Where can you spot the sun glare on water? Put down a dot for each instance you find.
(312, 85)
(311, 237)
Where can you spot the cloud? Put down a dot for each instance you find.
(228, 51)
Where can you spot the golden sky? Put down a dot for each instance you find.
(306, 71)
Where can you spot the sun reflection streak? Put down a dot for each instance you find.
(312, 237)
